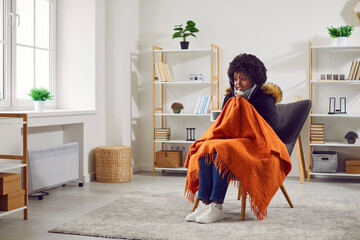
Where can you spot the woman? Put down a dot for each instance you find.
(247, 77)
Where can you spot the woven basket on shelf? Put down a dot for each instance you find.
(113, 164)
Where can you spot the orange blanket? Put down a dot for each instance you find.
(248, 148)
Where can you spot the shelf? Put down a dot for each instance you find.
(173, 141)
(335, 115)
(185, 83)
(180, 169)
(335, 144)
(183, 51)
(183, 114)
(8, 122)
(335, 81)
(3, 213)
(8, 166)
(341, 48)
(337, 174)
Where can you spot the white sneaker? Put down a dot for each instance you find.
(201, 208)
(212, 214)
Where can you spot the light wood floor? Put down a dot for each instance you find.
(68, 202)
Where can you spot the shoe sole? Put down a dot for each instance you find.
(205, 222)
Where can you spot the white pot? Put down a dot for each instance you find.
(39, 106)
(341, 41)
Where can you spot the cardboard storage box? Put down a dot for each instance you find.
(168, 159)
(9, 183)
(353, 166)
(12, 201)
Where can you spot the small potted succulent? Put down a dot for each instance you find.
(39, 96)
(183, 33)
(351, 137)
(176, 107)
(341, 33)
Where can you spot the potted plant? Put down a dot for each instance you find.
(176, 107)
(341, 33)
(183, 33)
(351, 137)
(39, 96)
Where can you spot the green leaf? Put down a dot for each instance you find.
(190, 23)
(177, 34)
(178, 29)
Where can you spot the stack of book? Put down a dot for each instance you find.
(203, 105)
(317, 134)
(162, 134)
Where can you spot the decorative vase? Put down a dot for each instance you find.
(341, 41)
(176, 110)
(184, 45)
(351, 140)
(39, 106)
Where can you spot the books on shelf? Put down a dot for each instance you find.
(354, 73)
(162, 134)
(163, 72)
(317, 133)
(203, 105)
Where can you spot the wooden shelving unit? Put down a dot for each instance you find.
(9, 165)
(315, 117)
(160, 114)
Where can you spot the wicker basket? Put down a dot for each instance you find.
(113, 164)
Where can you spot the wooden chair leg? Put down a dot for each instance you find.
(196, 202)
(239, 192)
(243, 205)
(286, 195)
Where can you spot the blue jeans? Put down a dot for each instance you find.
(212, 186)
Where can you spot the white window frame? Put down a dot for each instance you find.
(6, 102)
(12, 20)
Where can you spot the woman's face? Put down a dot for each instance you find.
(242, 82)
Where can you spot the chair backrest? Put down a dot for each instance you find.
(291, 119)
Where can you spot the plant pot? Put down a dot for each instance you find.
(184, 45)
(351, 140)
(341, 41)
(39, 106)
(176, 110)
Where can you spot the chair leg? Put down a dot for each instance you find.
(195, 203)
(239, 192)
(286, 195)
(243, 205)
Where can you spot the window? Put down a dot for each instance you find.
(28, 42)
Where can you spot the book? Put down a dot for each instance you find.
(316, 129)
(317, 125)
(157, 72)
(204, 104)
(197, 104)
(207, 107)
(165, 72)
(200, 106)
(161, 70)
(356, 70)
(351, 70)
(170, 73)
(317, 141)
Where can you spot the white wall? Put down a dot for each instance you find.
(75, 80)
(276, 31)
(122, 66)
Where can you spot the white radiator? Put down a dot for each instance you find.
(51, 166)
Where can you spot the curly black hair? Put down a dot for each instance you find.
(249, 64)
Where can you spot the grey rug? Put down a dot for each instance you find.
(162, 216)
